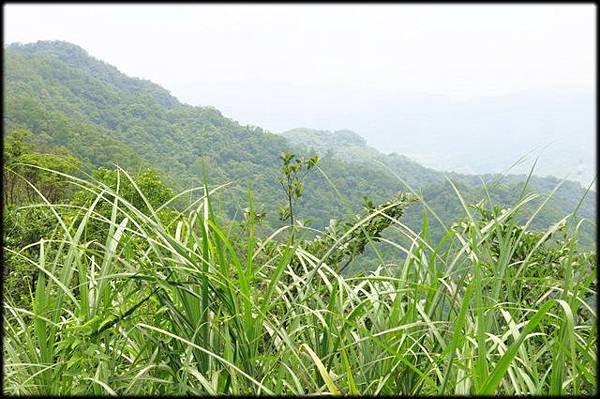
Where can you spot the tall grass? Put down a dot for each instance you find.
(178, 308)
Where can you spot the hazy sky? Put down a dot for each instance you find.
(456, 50)
(357, 67)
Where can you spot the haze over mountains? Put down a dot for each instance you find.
(69, 99)
(296, 199)
(473, 135)
(409, 79)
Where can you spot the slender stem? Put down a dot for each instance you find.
(291, 213)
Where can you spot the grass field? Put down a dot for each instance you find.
(177, 307)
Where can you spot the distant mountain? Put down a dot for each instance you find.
(476, 135)
(487, 135)
(70, 99)
(348, 146)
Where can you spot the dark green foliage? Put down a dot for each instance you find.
(351, 237)
(134, 296)
(22, 227)
(546, 253)
(185, 314)
(24, 167)
(293, 170)
(145, 191)
(25, 225)
(66, 98)
(155, 192)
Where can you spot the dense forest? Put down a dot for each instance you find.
(69, 99)
(254, 262)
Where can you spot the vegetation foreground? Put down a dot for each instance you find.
(134, 297)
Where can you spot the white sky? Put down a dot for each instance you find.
(392, 73)
(454, 50)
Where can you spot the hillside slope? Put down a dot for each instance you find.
(350, 147)
(68, 98)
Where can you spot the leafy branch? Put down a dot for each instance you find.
(294, 170)
(356, 241)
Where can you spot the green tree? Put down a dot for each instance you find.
(22, 228)
(25, 166)
(17, 144)
(294, 170)
(53, 186)
(148, 182)
(355, 243)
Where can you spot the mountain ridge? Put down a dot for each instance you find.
(52, 90)
(77, 56)
(349, 146)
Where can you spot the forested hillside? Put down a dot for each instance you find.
(70, 100)
(349, 147)
(324, 267)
